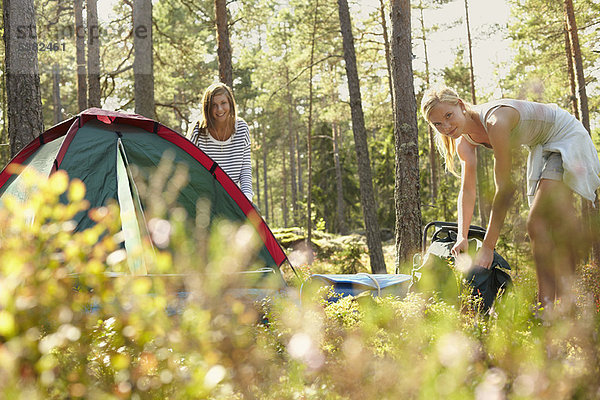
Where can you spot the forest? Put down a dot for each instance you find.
(341, 157)
(286, 63)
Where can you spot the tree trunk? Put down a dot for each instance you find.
(578, 63)
(25, 120)
(93, 59)
(223, 44)
(291, 134)
(284, 207)
(257, 168)
(272, 220)
(406, 190)
(341, 226)
(386, 45)
(482, 197)
(292, 147)
(575, 110)
(265, 182)
(4, 140)
(470, 44)
(591, 215)
(309, 133)
(341, 222)
(299, 169)
(143, 70)
(80, 55)
(360, 142)
(57, 106)
(433, 165)
(571, 73)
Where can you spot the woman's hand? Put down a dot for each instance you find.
(461, 246)
(484, 257)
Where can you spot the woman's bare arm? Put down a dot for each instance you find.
(499, 126)
(466, 197)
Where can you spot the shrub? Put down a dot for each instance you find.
(69, 330)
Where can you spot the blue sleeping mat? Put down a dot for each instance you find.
(355, 284)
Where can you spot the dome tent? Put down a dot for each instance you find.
(100, 147)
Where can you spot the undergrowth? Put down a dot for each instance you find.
(68, 330)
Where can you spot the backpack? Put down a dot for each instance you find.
(432, 270)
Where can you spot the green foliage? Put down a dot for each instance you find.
(349, 259)
(382, 153)
(184, 39)
(458, 76)
(270, 41)
(539, 71)
(324, 244)
(589, 292)
(69, 330)
(427, 349)
(324, 182)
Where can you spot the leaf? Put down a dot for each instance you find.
(7, 324)
(76, 190)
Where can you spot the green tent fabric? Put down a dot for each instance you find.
(101, 148)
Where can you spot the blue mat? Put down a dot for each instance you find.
(355, 284)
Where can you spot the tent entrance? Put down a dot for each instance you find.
(132, 216)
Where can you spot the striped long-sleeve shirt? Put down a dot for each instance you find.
(232, 155)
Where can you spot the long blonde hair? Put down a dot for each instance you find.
(445, 145)
(207, 122)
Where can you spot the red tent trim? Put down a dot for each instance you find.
(52, 133)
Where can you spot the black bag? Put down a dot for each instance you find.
(433, 273)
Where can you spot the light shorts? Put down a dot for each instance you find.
(553, 166)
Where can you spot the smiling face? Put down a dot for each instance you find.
(220, 108)
(449, 119)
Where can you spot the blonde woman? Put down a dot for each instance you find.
(562, 159)
(224, 137)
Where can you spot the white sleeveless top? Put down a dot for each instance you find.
(547, 127)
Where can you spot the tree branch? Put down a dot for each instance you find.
(303, 70)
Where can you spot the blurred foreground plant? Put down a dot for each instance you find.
(74, 323)
(70, 330)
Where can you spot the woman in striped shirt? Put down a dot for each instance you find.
(224, 137)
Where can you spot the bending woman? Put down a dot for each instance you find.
(224, 137)
(562, 159)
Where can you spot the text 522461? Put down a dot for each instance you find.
(41, 46)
